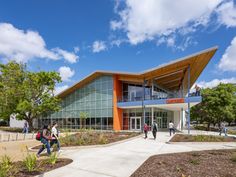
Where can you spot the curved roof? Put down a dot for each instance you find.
(169, 75)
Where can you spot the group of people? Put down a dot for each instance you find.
(49, 137)
(154, 129)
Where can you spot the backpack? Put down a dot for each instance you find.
(38, 136)
(155, 127)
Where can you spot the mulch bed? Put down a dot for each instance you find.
(94, 138)
(201, 138)
(44, 166)
(214, 163)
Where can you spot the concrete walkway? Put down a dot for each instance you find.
(121, 160)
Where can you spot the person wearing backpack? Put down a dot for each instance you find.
(45, 138)
(154, 129)
(55, 136)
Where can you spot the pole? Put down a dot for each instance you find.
(188, 99)
(143, 108)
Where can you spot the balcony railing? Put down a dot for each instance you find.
(154, 97)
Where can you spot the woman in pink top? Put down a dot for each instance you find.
(145, 128)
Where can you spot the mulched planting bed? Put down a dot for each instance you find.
(201, 138)
(93, 138)
(44, 166)
(214, 163)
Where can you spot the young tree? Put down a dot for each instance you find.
(83, 116)
(29, 94)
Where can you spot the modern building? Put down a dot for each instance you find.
(124, 101)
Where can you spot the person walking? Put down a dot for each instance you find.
(145, 129)
(154, 129)
(198, 90)
(55, 136)
(45, 138)
(171, 128)
(223, 129)
(26, 128)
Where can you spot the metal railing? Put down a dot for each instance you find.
(154, 97)
(4, 137)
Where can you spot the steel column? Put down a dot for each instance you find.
(188, 99)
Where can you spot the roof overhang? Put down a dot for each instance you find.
(170, 75)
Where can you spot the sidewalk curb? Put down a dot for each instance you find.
(91, 146)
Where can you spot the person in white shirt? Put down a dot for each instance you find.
(171, 128)
(55, 136)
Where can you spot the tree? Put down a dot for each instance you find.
(217, 105)
(11, 78)
(83, 116)
(28, 95)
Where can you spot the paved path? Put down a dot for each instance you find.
(121, 160)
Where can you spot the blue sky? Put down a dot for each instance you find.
(76, 38)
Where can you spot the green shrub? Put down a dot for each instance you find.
(5, 166)
(102, 139)
(30, 162)
(53, 158)
(194, 161)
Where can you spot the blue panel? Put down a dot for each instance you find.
(156, 102)
(193, 99)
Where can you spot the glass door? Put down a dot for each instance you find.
(135, 123)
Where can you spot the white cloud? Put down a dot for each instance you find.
(227, 14)
(115, 25)
(59, 89)
(228, 60)
(76, 49)
(170, 42)
(99, 46)
(66, 73)
(215, 82)
(154, 19)
(20, 45)
(69, 56)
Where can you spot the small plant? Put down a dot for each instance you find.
(30, 162)
(233, 158)
(194, 161)
(178, 169)
(53, 158)
(5, 166)
(102, 139)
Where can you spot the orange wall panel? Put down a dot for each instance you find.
(117, 112)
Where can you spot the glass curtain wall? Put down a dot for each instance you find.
(134, 92)
(94, 99)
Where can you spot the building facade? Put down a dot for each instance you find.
(125, 101)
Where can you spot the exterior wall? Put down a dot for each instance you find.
(117, 112)
(94, 98)
(14, 123)
(177, 120)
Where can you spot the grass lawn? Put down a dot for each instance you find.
(201, 138)
(215, 163)
(86, 138)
